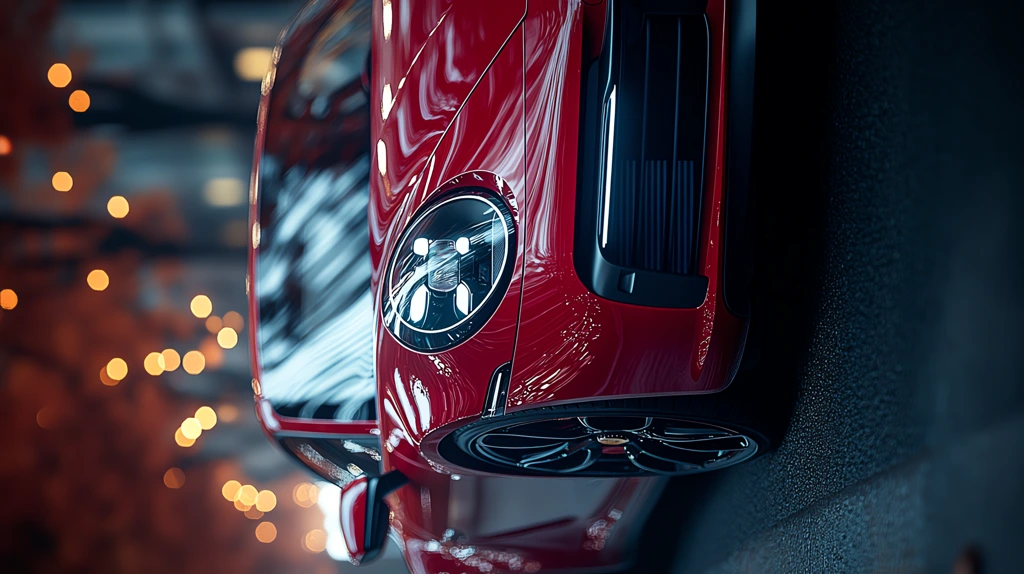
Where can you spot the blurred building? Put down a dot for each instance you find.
(126, 132)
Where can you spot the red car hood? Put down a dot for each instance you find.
(501, 110)
(455, 114)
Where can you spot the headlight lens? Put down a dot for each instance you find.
(450, 270)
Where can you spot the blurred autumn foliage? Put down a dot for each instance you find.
(28, 105)
(82, 461)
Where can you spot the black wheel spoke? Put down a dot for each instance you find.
(654, 449)
(644, 461)
(712, 444)
(588, 458)
(511, 441)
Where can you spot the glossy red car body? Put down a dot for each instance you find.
(463, 92)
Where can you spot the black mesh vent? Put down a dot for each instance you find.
(660, 120)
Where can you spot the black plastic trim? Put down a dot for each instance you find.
(738, 247)
(497, 391)
(622, 284)
(375, 532)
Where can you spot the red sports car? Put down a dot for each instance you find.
(500, 261)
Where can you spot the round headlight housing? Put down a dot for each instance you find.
(450, 270)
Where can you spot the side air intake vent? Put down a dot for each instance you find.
(657, 167)
(643, 139)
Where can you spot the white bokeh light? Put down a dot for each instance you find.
(329, 501)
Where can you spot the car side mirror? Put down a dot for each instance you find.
(365, 514)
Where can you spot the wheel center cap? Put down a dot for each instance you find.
(612, 440)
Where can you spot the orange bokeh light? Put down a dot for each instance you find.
(227, 413)
(227, 338)
(214, 324)
(118, 207)
(207, 418)
(266, 501)
(191, 429)
(105, 379)
(117, 369)
(315, 541)
(181, 440)
(79, 101)
(234, 320)
(266, 532)
(174, 478)
(194, 362)
(201, 306)
(62, 181)
(230, 490)
(154, 364)
(98, 280)
(8, 299)
(59, 75)
(247, 495)
(171, 359)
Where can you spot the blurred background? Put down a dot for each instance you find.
(126, 141)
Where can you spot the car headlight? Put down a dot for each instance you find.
(450, 270)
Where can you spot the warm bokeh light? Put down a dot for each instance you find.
(224, 192)
(117, 207)
(79, 101)
(230, 490)
(182, 440)
(242, 507)
(266, 501)
(154, 364)
(227, 338)
(174, 478)
(105, 378)
(201, 306)
(8, 299)
(227, 413)
(191, 429)
(247, 495)
(253, 513)
(98, 280)
(214, 324)
(234, 320)
(252, 63)
(47, 417)
(171, 359)
(5, 145)
(193, 362)
(213, 353)
(266, 532)
(59, 75)
(206, 417)
(62, 181)
(117, 369)
(315, 541)
(305, 494)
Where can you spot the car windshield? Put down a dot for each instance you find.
(312, 273)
